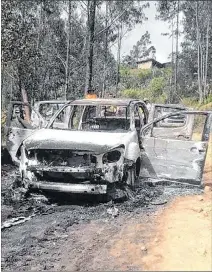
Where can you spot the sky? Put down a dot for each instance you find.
(163, 44)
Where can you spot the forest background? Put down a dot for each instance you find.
(59, 49)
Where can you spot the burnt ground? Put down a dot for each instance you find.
(80, 234)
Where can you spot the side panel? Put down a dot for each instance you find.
(180, 160)
(173, 159)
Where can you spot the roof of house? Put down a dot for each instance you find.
(147, 60)
(155, 62)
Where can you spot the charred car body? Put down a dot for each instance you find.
(90, 144)
(98, 143)
(23, 119)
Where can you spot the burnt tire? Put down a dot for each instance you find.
(131, 176)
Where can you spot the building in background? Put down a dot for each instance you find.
(151, 63)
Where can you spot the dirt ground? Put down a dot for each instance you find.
(183, 237)
(159, 228)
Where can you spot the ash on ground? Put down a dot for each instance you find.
(35, 244)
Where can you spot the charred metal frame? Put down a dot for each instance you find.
(175, 159)
(101, 174)
(131, 103)
(206, 131)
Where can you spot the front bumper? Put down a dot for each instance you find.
(61, 169)
(106, 174)
(80, 188)
(101, 176)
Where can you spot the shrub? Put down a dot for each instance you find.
(131, 93)
(157, 85)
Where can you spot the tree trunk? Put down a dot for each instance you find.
(198, 53)
(171, 87)
(201, 64)
(118, 57)
(176, 55)
(91, 27)
(11, 89)
(105, 51)
(68, 49)
(26, 108)
(3, 94)
(206, 59)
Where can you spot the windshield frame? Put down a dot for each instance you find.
(131, 105)
(72, 104)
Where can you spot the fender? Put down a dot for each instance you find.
(133, 151)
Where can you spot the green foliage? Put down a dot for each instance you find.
(3, 118)
(194, 103)
(144, 74)
(197, 18)
(34, 50)
(131, 93)
(208, 99)
(190, 102)
(147, 83)
(144, 93)
(206, 106)
(156, 85)
(125, 71)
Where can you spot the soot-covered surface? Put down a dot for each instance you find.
(74, 234)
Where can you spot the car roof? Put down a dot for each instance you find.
(103, 101)
(51, 102)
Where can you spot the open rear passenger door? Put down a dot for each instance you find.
(179, 154)
(17, 128)
(178, 123)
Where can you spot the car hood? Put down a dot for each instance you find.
(98, 142)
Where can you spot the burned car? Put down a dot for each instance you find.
(20, 125)
(46, 109)
(108, 141)
(98, 143)
(23, 120)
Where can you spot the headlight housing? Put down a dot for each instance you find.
(112, 156)
(30, 154)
